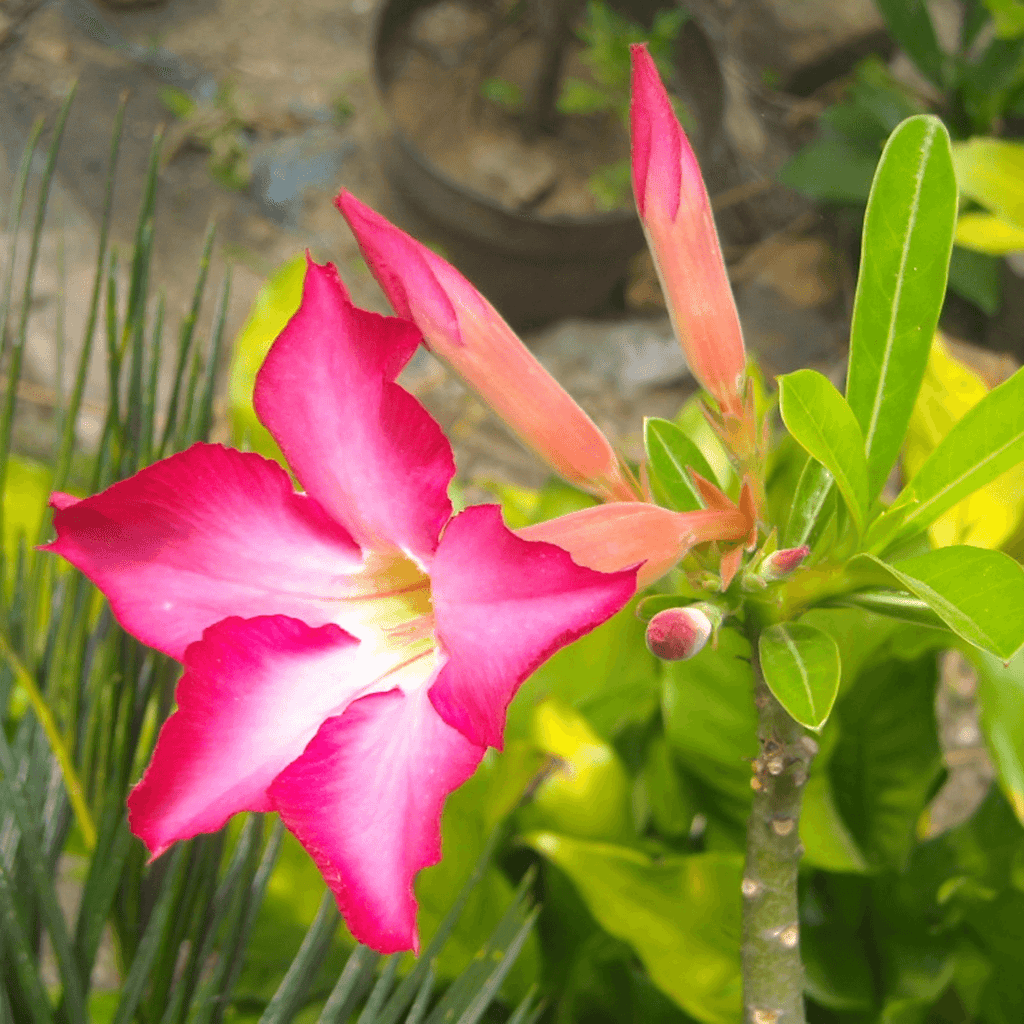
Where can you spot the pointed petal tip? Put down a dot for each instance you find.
(419, 284)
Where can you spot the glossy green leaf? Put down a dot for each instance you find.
(681, 915)
(670, 453)
(274, 306)
(886, 759)
(820, 420)
(810, 505)
(986, 442)
(801, 667)
(710, 719)
(976, 592)
(838, 973)
(1001, 703)
(908, 235)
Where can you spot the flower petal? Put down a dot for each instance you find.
(614, 536)
(358, 443)
(503, 605)
(461, 327)
(676, 215)
(254, 693)
(204, 534)
(365, 800)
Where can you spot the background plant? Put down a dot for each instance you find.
(605, 36)
(978, 90)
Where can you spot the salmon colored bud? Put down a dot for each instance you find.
(465, 331)
(780, 564)
(676, 215)
(676, 634)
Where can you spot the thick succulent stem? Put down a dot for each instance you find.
(773, 974)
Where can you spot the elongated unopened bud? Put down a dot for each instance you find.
(676, 634)
(780, 564)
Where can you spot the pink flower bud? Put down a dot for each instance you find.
(780, 564)
(676, 634)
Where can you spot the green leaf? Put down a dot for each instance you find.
(466, 828)
(801, 667)
(885, 762)
(1001, 703)
(587, 792)
(911, 26)
(681, 915)
(671, 804)
(977, 278)
(670, 453)
(831, 171)
(977, 593)
(990, 516)
(908, 235)
(503, 92)
(986, 442)
(274, 306)
(820, 420)
(1008, 16)
(710, 719)
(827, 841)
(813, 503)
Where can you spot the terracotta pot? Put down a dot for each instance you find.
(533, 268)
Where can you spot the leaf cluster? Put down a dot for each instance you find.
(975, 89)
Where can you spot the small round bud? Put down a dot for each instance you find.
(678, 633)
(780, 564)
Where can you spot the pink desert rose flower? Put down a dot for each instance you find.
(349, 650)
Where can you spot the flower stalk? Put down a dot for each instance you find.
(773, 974)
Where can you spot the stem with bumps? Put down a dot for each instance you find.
(773, 974)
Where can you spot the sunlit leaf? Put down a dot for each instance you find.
(949, 391)
(680, 914)
(991, 172)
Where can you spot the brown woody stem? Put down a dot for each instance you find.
(773, 973)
